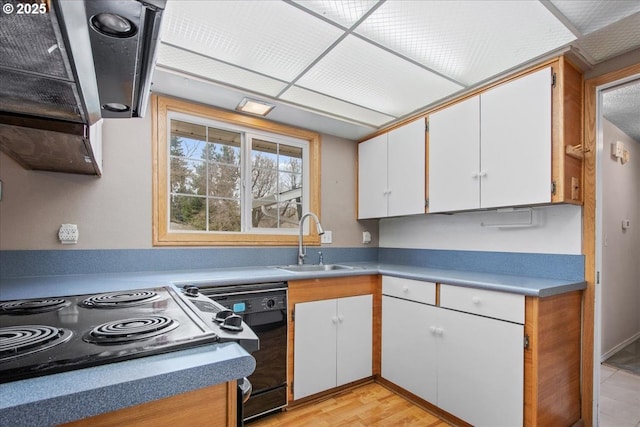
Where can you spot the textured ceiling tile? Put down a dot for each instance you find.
(613, 40)
(621, 106)
(343, 12)
(269, 37)
(197, 65)
(335, 107)
(589, 15)
(468, 41)
(363, 74)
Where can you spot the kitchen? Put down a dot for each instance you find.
(115, 232)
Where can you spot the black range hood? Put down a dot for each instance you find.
(73, 63)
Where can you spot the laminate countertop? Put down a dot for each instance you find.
(68, 396)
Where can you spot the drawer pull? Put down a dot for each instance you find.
(405, 289)
(476, 300)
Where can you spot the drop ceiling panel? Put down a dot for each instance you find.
(269, 37)
(364, 74)
(613, 40)
(198, 65)
(467, 40)
(343, 12)
(335, 107)
(589, 15)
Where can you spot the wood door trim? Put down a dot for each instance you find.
(589, 230)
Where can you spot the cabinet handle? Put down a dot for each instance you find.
(340, 318)
(483, 174)
(433, 330)
(405, 289)
(334, 320)
(476, 300)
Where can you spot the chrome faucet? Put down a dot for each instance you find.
(301, 250)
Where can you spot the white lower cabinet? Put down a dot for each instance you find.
(408, 349)
(469, 365)
(480, 369)
(332, 344)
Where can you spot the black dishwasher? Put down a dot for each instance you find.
(263, 308)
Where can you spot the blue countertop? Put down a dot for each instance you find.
(106, 388)
(48, 286)
(68, 396)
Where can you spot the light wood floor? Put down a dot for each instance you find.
(366, 406)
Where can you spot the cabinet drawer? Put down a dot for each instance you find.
(413, 290)
(499, 305)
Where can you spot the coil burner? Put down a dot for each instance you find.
(120, 299)
(128, 330)
(33, 306)
(16, 341)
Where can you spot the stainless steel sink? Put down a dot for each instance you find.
(311, 267)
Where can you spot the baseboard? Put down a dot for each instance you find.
(619, 347)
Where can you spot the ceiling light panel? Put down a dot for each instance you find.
(210, 69)
(613, 40)
(268, 37)
(589, 16)
(335, 107)
(363, 74)
(468, 41)
(343, 12)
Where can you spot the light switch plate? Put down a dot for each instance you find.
(326, 237)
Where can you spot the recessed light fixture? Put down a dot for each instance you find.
(113, 25)
(252, 106)
(116, 107)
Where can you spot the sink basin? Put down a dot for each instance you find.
(311, 267)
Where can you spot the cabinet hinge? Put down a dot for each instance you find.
(553, 188)
(426, 125)
(526, 342)
(293, 315)
(598, 277)
(553, 80)
(291, 387)
(426, 203)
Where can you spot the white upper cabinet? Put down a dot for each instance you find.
(454, 157)
(515, 133)
(391, 173)
(494, 149)
(372, 177)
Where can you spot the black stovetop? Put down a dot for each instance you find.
(50, 335)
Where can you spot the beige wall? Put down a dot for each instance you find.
(114, 211)
(620, 269)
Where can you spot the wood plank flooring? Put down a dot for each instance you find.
(370, 405)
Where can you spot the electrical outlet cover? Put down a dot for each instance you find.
(326, 237)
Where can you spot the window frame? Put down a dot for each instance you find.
(162, 107)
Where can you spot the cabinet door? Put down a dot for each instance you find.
(406, 169)
(480, 369)
(314, 347)
(408, 349)
(355, 338)
(454, 157)
(516, 142)
(372, 178)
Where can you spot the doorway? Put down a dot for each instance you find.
(595, 153)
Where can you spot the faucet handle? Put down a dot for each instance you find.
(321, 259)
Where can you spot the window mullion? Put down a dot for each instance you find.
(245, 179)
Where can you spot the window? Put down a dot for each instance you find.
(221, 178)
